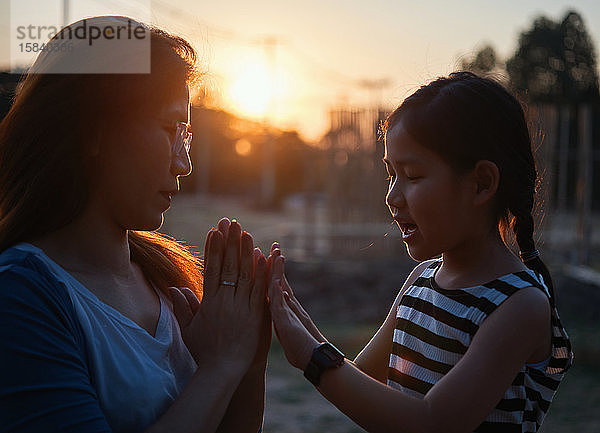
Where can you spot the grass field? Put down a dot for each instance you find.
(294, 406)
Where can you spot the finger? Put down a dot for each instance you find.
(223, 227)
(294, 304)
(212, 263)
(191, 298)
(181, 308)
(275, 278)
(259, 291)
(275, 298)
(208, 235)
(274, 253)
(256, 256)
(274, 245)
(287, 287)
(246, 273)
(277, 268)
(231, 259)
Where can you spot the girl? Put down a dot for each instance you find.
(473, 341)
(89, 339)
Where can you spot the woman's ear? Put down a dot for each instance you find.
(486, 177)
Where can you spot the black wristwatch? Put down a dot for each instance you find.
(324, 357)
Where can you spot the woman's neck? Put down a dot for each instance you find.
(476, 262)
(92, 244)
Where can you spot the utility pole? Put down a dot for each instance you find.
(268, 177)
(584, 185)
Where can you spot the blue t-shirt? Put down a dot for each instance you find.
(71, 363)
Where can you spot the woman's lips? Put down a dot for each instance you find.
(167, 196)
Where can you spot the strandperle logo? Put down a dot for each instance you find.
(105, 44)
(81, 31)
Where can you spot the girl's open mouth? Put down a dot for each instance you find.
(407, 230)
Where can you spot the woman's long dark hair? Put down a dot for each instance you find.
(45, 167)
(466, 118)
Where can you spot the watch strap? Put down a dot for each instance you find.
(325, 356)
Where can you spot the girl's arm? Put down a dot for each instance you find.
(374, 358)
(457, 403)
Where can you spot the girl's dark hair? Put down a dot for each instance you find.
(466, 118)
(45, 164)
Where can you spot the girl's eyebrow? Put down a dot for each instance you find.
(176, 115)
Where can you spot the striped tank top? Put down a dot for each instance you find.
(434, 328)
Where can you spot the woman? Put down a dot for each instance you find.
(89, 341)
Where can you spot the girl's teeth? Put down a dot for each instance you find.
(409, 229)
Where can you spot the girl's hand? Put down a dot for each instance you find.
(290, 298)
(226, 325)
(297, 342)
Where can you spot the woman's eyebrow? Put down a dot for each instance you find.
(405, 161)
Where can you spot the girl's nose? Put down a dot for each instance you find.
(181, 165)
(395, 198)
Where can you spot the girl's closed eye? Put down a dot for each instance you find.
(171, 130)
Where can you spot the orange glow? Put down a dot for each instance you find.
(252, 89)
(243, 147)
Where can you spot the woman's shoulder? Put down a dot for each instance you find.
(26, 278)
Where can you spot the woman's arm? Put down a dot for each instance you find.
(217, 326)
(246, 409)
(44, 379)
(457, 403)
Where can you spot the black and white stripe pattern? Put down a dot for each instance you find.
(434, 328)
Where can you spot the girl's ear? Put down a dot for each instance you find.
(486, 177)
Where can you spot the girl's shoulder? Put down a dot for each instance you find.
(421, 270)
(425, 268)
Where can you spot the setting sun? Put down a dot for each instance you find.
(251, 90)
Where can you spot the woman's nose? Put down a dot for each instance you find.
(181, 165)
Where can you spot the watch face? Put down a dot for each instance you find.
(331, 353)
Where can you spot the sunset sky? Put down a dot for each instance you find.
(288, 62)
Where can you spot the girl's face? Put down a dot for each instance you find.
(139, 173)
(429, 201)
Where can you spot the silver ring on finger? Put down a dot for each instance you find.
(228, 283)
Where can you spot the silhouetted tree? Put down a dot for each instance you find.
(485, 61)
(555, 62)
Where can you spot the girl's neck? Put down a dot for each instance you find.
(477, 262)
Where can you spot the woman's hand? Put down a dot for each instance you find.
(225, 326)
(297, 341)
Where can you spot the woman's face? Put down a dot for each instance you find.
(138, 173)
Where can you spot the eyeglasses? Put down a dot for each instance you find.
(183, 138)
